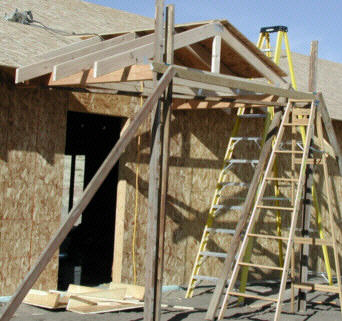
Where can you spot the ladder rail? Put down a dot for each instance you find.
(294, 219)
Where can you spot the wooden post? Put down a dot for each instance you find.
(152, 300)
(216, 55)
(169, 42)
(247, 207)
(308, 199)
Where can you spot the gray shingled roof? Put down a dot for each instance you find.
(19, 42)
(329, 80)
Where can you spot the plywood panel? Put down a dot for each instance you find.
(105, 104)
(33, 133)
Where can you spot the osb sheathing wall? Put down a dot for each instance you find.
(198, 142)
(32, 140)
(32, 146)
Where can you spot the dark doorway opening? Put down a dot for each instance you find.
(86, 255)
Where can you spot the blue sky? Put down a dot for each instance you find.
(306, 19)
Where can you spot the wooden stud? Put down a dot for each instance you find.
(152, 300)
(308, 197)
(166, 118)
(216, 55)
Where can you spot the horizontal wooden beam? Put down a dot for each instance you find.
(233, 82)
(132, 73)
(143, 53)
(72, 47)
(46, 66)
(183, 104)
(87, 195)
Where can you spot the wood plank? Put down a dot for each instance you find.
(132, 291)
(69, 48)
(44, 299)
(232, 82)
(46, 66)
(132, 73)
(329, 128)
(251, 58)
(85, 62)
(308, 197)
(166, 118)
(87, 195)
(317, 287)
(152, 298)
(247, 207)
(144, 53)
(216, 55)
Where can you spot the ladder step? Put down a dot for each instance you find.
(252, 296)
(265, 236)
(312, 241)
(220, 207)
(280, 179)
(317, 287)
(260, 266)
(282, 151)
(252, 116)
(214, 254)
(243, 161)
(266, 198)
(237, 184)
(310, 161)
(280, 208)
(237, 138)
(221, 230)
(205, 278)
(294, 124)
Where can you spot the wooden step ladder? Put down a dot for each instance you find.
(294, 116)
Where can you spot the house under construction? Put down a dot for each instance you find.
(78, 175)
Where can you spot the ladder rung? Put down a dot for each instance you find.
(260, 266)
(253, 296)
(237, 184)
(265, 236)
(280, 208)
(220, 230)
(312, 241)
(220, 207)
(243, 161)
(280, 179)
(214, 254)
(252, 116)
(294, 124)
(310, 161)
(205, 278)
(317, 287)
(288, 151)
(246, 138)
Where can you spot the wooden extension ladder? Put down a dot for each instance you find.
(295, 116)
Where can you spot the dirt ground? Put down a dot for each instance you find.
(254, 311)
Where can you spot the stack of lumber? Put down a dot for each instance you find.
(89, 300)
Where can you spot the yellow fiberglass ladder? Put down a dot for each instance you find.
(291, 180)
(230, 163)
